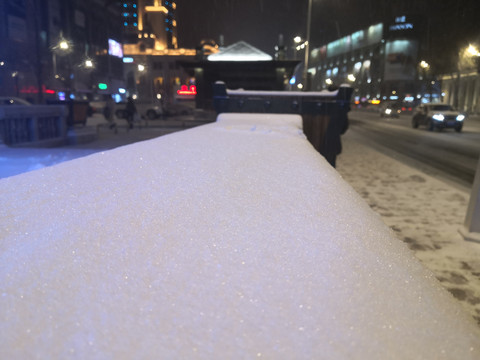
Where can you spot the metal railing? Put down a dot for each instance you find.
(36, 124)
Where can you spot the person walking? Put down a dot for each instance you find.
(108, 112)
(131, 110)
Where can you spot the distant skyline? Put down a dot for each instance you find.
(260, 22)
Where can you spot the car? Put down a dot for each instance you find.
(438, 116)
(11, 100)
(390, 110)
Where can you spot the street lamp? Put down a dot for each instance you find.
(88, 64)
(62, 48)
(472, 50)
(425, 66)
(307, 46)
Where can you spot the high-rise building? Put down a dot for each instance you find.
(56, 49)
(150, 23)
(130, 20)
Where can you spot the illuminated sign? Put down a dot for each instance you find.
(115, 48)
(184, 90)
(401, 24)
(34, 90)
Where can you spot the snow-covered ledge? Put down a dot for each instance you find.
(231, 240)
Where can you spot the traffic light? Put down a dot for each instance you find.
(102, 86)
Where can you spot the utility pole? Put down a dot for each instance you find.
(306, 80)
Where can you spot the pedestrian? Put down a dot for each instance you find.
(108, 112)
(337, 126)
(131, 111)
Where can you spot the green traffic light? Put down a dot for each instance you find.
(102, 86)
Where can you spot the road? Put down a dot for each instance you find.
(446, 154)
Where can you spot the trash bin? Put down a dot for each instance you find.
(77, 111)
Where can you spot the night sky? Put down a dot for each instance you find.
(259, 22)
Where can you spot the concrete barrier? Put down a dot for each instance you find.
(38, 125)
(231, 240)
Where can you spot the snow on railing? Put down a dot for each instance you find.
(230, 240)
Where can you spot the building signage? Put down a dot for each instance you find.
(401, 24)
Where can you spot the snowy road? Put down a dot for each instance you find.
(448, 155)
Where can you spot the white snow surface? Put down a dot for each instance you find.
(230, 240)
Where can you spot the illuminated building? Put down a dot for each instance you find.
(150, 24)
(380, 62)
(56, 49)
(152, 53)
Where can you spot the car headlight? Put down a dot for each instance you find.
(388, 111)
(438, 117)
(460, 117)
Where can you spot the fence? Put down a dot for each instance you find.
(36, 124)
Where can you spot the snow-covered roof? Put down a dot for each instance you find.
(240, 51)
(231, 240)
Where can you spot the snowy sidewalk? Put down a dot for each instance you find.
(423, 212)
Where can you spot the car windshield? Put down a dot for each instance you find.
(441, 107)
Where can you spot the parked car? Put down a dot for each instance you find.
(10, 100)
(438, 116)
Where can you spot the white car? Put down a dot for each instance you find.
(438, 116)
(10, 100)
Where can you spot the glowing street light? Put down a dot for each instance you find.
(473, 51)
(141, 67)
(424, 64)
(63, 45)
